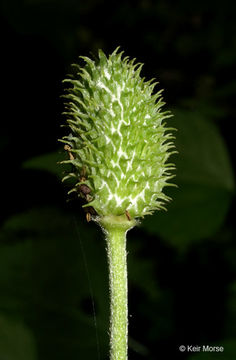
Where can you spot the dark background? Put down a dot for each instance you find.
(182, 270)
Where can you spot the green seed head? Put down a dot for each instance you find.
(118, 143)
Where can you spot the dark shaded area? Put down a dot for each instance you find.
(53, 271)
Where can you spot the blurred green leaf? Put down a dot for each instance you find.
(45, 277)
(16, 340)
(54, 272)
(205, 181)
(203, 157)
(47, 162)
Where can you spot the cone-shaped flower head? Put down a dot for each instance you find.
(118, 144)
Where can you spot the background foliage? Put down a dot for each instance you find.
(182, 273)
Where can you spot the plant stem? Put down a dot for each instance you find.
(116, 250)
(116, 229)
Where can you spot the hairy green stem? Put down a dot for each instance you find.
(116, 250)
(116, 229)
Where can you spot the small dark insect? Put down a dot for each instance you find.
(68, 149)
(85, 192)
(128, 215)
(88, 216)
(89, 211)
(83, 188)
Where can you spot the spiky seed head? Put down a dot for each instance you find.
(118, 143)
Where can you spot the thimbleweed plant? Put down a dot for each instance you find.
(118, 147)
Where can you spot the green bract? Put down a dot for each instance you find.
(118, 144)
